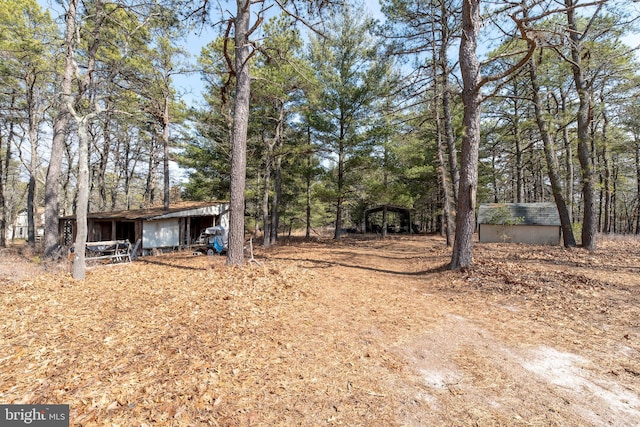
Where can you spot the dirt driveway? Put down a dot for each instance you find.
(530, 336)
(363, 332)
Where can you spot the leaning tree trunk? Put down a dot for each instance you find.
(552, 160)
(462, 255)
(235, 253)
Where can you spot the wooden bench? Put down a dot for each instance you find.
(113, 250)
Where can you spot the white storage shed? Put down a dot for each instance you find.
(533, 223)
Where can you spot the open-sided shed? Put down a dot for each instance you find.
(398, 219)
(156, 228)
(533, 223)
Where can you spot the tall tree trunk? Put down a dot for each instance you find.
(79, 266)
(70, 192)
(271, 234)
(607, 178)
(130, 162)
(308, 184)
(385, 185)
(266, 226)
(448, 181)
(568, 160)
(385, 223)
(118, 173)
(494, 176)
(519, 154)
(277, 198)
(99, 177)
(165, 150)
(462, 255)
(615, 219)
(277, 193)
(443, 60)
(337, 234)
(4, 174)
(83, 121)
(31, 194)
(607, 194)
(637, 158)
(235, 254)
(60, 125)
(30, 80)
(150, 186)
(447, 220)
(589, 223)
(552, 159)
(3, 207)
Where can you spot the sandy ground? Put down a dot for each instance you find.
(359, 332)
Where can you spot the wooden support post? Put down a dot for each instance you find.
(188, 220)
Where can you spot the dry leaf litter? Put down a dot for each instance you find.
(361, 332)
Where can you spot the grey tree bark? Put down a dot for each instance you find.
(589, 222)
(166, 120)
(443, 60)
(462, 255)
(235, 254)
(60, 125)
(79, 264)
(552, 159)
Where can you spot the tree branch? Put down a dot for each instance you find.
(532, 47)
(298, 18)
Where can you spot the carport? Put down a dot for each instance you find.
(398, 219)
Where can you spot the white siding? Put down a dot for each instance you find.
(161, 233)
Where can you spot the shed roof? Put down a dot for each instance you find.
(390, 208)
(519, 213)
(175, 210)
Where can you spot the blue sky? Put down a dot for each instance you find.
(191, 86)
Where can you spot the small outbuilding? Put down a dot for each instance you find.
(533, 223)
(157, 228)
(398, 219)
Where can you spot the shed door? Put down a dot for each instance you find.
(161, 234)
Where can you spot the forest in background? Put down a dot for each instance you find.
(344, 112)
